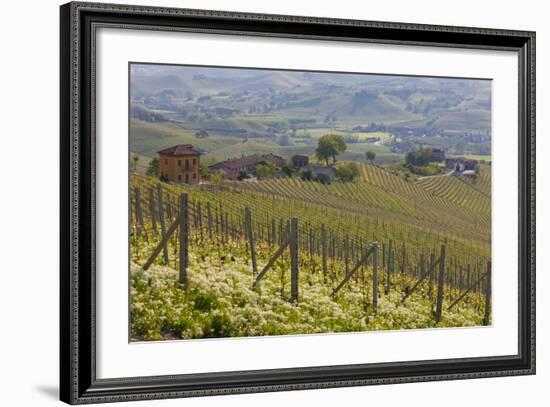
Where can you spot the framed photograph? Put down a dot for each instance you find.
(255, 203)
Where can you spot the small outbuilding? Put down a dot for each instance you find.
(231, 168)
(324, 175)
(460, 164)
(299, 161)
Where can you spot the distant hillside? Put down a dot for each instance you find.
(266, 104)
(148, 138)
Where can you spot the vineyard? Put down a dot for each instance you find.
(287, 256)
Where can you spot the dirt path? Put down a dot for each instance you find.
(447, 174)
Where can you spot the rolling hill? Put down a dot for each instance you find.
(379, 204)
(349, 99)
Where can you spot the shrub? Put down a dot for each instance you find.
(323, 179)
(346, 172)
(153, 169)
(288, 171)
(420, 157)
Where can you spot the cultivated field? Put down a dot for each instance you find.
(432, 248)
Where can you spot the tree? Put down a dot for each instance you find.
(329, 146)
(243, 175)
(323, 179)
(216, 178)
(265, 170)
(201, 134)
(283, 140)
(205, 164)
(287, 170)
(371, 156)
(477, 169)
(307, 175)
(325, 149)
(340, 144)
(420, 157)
(347, 172)
(153, 169)
(135, 160)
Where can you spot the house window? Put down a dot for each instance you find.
(186, 165)
(179, 177)
(179, 163)
(194, 162)
(194, 176)
(166, 161)
(187, 178)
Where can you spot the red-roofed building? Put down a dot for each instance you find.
(233, 167)
(180, 163)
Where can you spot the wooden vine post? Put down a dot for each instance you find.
(139, 212)
(273, 232)
(250, 236)
(422, 265)
(432, 275)
(375, 277)
(152, 209)
(162, 224)
(389, 267)
(293, 241)
(209, 215)
(346, 254)
(161, 244)
(487, 318)
(198, 214)
(184, 238)
(440, 284)
(324, 250)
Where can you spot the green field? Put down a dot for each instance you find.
(148, 138)
(486, 158)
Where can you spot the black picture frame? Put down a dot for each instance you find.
(78, 382)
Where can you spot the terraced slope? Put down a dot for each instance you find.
(378, 206)
(472, 194)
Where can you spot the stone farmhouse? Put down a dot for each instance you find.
(231, 168)
(460, 164)
(180, 164)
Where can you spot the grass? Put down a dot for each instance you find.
(148, 138)
(478, 157)
(364, 135)
(242, 147)
(458, 120)
(142, 164)
(411, 172)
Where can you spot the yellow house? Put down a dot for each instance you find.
(180, 163)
